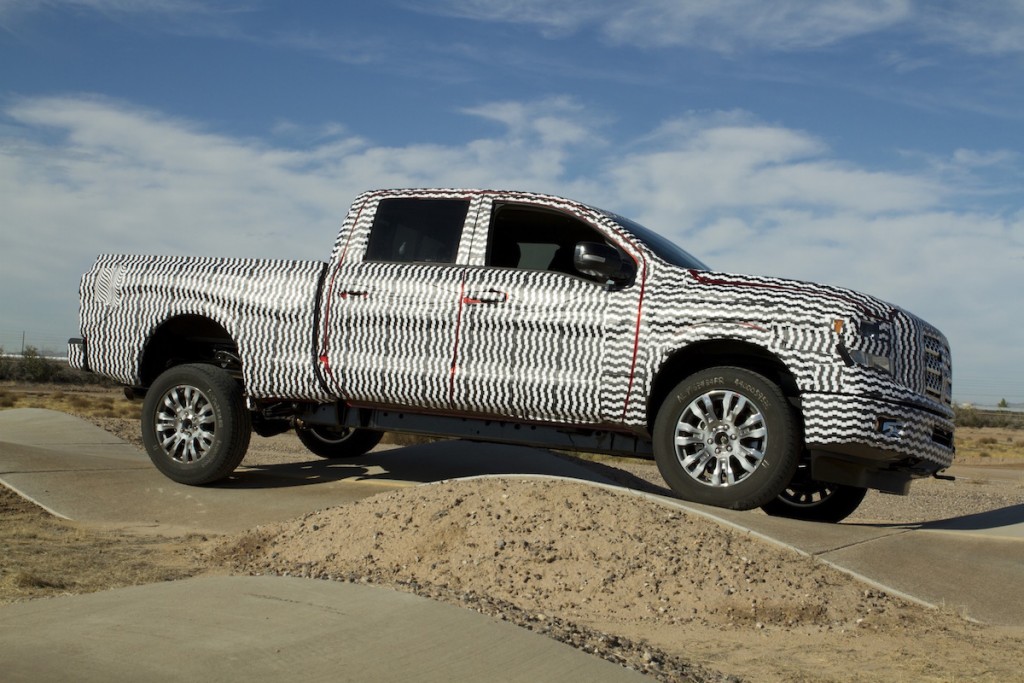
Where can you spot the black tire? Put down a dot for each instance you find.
(338, 443)
(726, 437)
(195, 425)
(816, 501)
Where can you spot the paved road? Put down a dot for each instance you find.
(238, 628)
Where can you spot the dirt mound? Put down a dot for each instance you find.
(614, 573)
(571, 548)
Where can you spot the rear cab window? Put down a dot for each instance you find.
(416, 230)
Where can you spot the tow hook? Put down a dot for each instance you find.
(944, 477)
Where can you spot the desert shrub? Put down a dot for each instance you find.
(35, 369)
(965, 416)
(131, 411)
(31, 367)
(79, 402)
(7, 370)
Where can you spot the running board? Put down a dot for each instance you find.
(582, 439)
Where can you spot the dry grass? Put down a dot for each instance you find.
(81, 401)
(43, 556)
(989, 445)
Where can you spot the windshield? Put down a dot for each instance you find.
(661, 246)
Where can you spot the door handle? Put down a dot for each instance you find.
(491, 296)
(353, 293)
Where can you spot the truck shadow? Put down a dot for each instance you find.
(437, 461)
(982, 521)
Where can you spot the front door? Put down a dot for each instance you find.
(538, 340)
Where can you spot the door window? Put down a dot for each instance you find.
(417, 230)
(531, 238)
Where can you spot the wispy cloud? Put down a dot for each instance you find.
(13, 9)
(553, 19)
(346, 48)
(725, 26)
(728, 169)
(993, 27)
(740, 25)
(198, 17)
(126, 6)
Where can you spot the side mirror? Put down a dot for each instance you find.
(603, 262)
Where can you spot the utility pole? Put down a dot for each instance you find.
(23, 343)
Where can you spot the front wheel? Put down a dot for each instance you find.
(341, 442)
(727, 437)
(195, 425)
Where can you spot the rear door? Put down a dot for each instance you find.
(392, 302)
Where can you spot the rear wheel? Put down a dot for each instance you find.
(727, 437)
(195, 425)
(815, 501)
(340, 442)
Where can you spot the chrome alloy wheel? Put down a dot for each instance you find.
(720, 438)
(185, 424)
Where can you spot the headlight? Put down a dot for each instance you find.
(871, 360)
(873, 334)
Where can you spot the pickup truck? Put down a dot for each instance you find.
(531, 319)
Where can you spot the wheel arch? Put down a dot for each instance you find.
(186, 338)
(714, 353)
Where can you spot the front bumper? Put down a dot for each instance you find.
(893, 435)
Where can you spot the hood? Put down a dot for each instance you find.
(800, 296)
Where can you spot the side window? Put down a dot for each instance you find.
(532, 238)
(408, 230)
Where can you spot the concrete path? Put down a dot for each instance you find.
(235, 628)
(81, 472)
(276, 629)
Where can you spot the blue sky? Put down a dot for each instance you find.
(874, 144)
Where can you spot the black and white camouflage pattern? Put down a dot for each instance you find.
(534, 346)
(268, 308)
(796, 322)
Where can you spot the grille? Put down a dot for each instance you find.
(938, 368)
